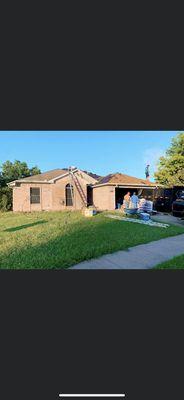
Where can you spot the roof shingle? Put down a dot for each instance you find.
(46, 176)
(123, 179)
(94, 176)
(49, 175)
(116, 178)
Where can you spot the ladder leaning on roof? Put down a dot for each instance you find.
(78, 187)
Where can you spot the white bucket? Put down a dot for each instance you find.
(89, 212)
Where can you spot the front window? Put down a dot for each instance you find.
(69, 195)
(35, 195)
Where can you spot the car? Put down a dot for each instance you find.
(178, 204)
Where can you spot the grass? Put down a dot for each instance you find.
(174, 263)
(61, 239)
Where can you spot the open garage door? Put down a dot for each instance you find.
(140, 192)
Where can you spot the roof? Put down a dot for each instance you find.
(116, 178)
(45, 176)
(94, 176)
(52, 175)
(123, 179)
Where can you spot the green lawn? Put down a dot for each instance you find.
(174, 263)
(61, 239)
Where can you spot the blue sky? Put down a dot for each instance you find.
(100, 152)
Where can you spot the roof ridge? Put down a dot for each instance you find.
(51, 170)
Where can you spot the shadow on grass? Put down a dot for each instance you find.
(18, 228)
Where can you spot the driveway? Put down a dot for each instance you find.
(168, 219)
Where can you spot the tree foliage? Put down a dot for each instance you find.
(5, 198)
(17, 170)
(171, 167)
(10, 172)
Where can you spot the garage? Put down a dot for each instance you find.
(120, 192)
(110, 190)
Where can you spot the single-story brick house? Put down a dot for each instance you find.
(73, 188)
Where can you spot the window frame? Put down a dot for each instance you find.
(34, 197)
(69, 200)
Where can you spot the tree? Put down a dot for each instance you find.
(34, 171)
(10, 172)
(2, 180)
(5, 198)
(171, 166)
(17, 170)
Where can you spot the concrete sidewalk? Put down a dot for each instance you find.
(143, 256)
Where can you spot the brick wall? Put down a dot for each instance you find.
(58, 194)
(21, 197)
(52, 196)
(104, 197)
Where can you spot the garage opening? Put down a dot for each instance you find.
(120, 193)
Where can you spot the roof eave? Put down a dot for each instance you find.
(22, 181)
(126, 185)
(11, 184)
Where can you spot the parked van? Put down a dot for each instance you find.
(166, 199)
(178, 204)
(163, 199)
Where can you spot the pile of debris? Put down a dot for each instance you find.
(139, 221)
